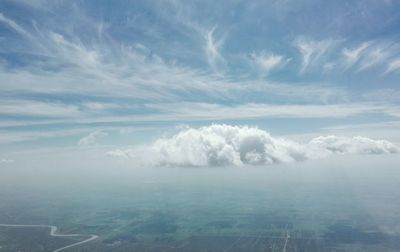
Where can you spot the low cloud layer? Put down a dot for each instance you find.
(224, 145)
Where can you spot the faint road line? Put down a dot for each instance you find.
(286, 241)
(53, 230)
(234, 243)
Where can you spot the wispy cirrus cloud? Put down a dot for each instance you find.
(92, 138)
(336, 56)
(91, 68)
(267, 62)
(39, 109)
(394, 66)
(312, 51)
(168, 66)
(374, 57)
(195, 111)
(207, 111)
(371, 54)
(30, 135)
(213, 50)
(178, 112)
(352, 56)
(13, 25)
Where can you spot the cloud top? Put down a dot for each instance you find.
(225, 145)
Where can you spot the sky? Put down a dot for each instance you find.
(120, 73)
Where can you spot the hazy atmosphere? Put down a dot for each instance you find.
(199, 125)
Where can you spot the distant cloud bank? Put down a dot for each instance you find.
(6, 161)
(225, 145)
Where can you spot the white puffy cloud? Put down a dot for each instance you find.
(224, 145)
(218, 145)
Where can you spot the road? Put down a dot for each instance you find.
(53, 230)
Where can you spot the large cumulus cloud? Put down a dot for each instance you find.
(222, 145)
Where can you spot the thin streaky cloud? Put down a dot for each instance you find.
(173, 63)
(352, 56)
(39, 108)
(374, 57)
(393, 66)
(267, 62)
(16, 27)
(95, 70)
(311, 51)
(92, 138)
(212, 49)
(193, 112)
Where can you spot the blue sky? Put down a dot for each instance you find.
(128, 72)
